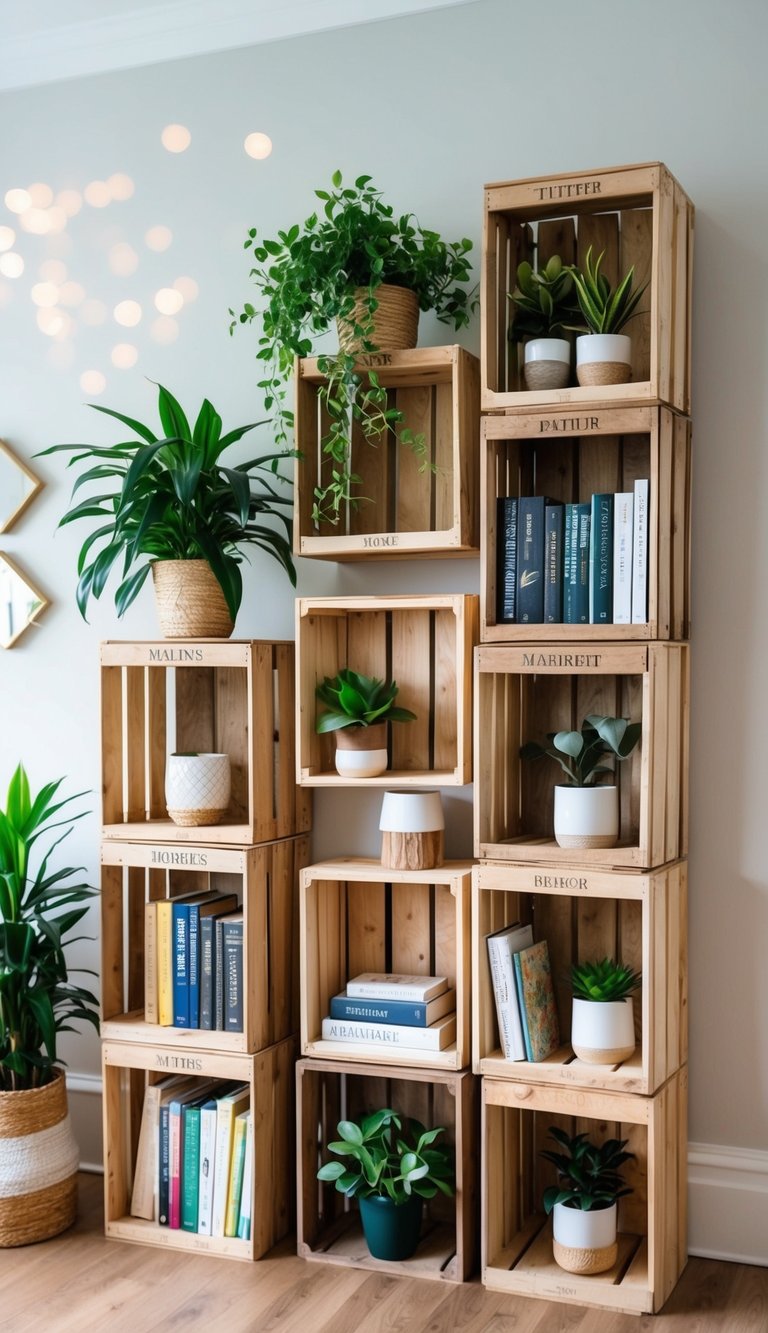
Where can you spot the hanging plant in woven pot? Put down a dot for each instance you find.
(39, 907)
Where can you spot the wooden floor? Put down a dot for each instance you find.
(81, 1282)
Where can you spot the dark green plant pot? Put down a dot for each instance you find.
(391, 1230)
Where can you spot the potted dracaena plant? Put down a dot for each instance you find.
(583, 1203)
(40, 906)
(358, 709)
(586, 812)
(354, 264)
(172, 505)
(390, 1165)
(603, 352)
(544, 305)
(603, 1021)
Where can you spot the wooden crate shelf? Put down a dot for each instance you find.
(358, 917)
(585, 915)
(328, 1227)
(425, 643)
(405, 511)
(265, 879)
(516, 1235)
(638, 215)
(521, 693)
(231, 696)
(571, 456)
(128, 1067)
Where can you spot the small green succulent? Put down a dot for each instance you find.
(387, 1155)
(604, 981)
(605, 310)
(358, 701)
(578, 752)
(588, 1172)
(545, 301)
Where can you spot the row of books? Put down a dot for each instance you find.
(573, 564)
(194, 1162)
(391, 1009)
(525, 999)
(193, 962)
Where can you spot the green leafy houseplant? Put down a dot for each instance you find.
(386, 1154)
(311, 276)
(579, 752)
(544, 301)
(589, 1174)
(604, 982)
(605, 310)
(353, 700)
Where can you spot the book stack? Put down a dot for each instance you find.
(522, 988)
(573, 564)
(193, 962)
(392, 1011)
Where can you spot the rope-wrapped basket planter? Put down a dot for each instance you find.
(395, 322)
(38, 1164)
(190, 603)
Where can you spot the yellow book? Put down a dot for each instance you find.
(150, 963)
(164, 963)
(235, 1190)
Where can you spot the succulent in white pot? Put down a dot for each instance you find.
(358, 710)
(603, 1021)
(583, 1203)
(544, 301)
(603, 352)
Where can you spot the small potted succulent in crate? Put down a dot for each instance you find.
(545, 304)
(603, 1022)
(358, 710)
(603, 352)
(586, 812)
(390, 1164)
(583, 1204)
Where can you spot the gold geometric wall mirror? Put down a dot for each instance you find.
(20, 602)
(18, 486)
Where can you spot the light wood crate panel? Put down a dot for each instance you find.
(265, 879)
(219, 695)
(128, 1067)
(639, 215)
(357, 917)
(425, 644)
(521, 694)
(586, 915)
(405, 510)
(327, 1224)
(569, 457)
(652, 1221)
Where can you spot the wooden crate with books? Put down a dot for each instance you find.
(199, 1151)
(360, 924)
(412, 502)
(585, 525)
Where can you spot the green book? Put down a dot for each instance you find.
(236, 1177)
(190, 1166)
(601, 561)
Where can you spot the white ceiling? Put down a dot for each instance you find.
(51, 40)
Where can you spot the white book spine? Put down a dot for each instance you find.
(207, 1169)
(640, 555)
(384, 1035)
(410, 989)
(505, 993)
(222, 1160)
(622, 558)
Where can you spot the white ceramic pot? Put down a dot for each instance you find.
(603, 358)
(412, 825)
(197, 788)
(586, 816)
(361, 752)
(584, 1242)
(547, 363)
(603, 1032)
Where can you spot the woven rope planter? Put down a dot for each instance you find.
(595, 373)
(190, 603)
(575, 1260)
(395, 323)
(38, 1164)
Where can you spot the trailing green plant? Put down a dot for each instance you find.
(544, 300)
(309, 277)
(38, 912)
(172, 497)
(605, 310)
(589, 1173)
(354, 700)
(605, 981)
(579, 752)
(388, 1155)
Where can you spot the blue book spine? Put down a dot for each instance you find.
(180, 965)
(530, 560)
(506, 559)
(193, 964)
(521, 1005)
(553, 564)
(601, 561)
(407, 1014)
(207, 972)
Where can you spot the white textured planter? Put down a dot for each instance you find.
(603, 1032)
(586, 816)
(412, 824)
(547, 363)
(603, 358)
(361, 752)
(197, 788)
(584, 1242)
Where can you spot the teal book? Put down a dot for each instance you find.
(190, 1166)
(538, 1011)
(521, 1007)
(576, 565)
(601, 561)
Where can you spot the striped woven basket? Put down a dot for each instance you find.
(190, 603)
(38, 1164)
(395, 322)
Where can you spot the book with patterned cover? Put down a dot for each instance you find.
(537, 1000)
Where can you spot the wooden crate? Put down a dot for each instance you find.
(357, 917)
(128, 1067)
(404, 510)
(569, 457)
(638, 215)
(585, 915)
(327, 1225)
(209, 695)
(265, 879)
(521, 693)
(425, 643)
(516, 1235)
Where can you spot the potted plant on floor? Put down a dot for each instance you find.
(391, 1166)
(358, 710)
(172, 505)
(355, 265)
(545, 303)
(583, 1204)
(603, 1022)
(39, 908)
(586, 812)
(603, 352)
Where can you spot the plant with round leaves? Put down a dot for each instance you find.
(605, 310)
(604, 982)
(354, 700)
(544, 301)
(579, 752)
(589, 1174)
(387, 1155)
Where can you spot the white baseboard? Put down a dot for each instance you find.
(728, 1203)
